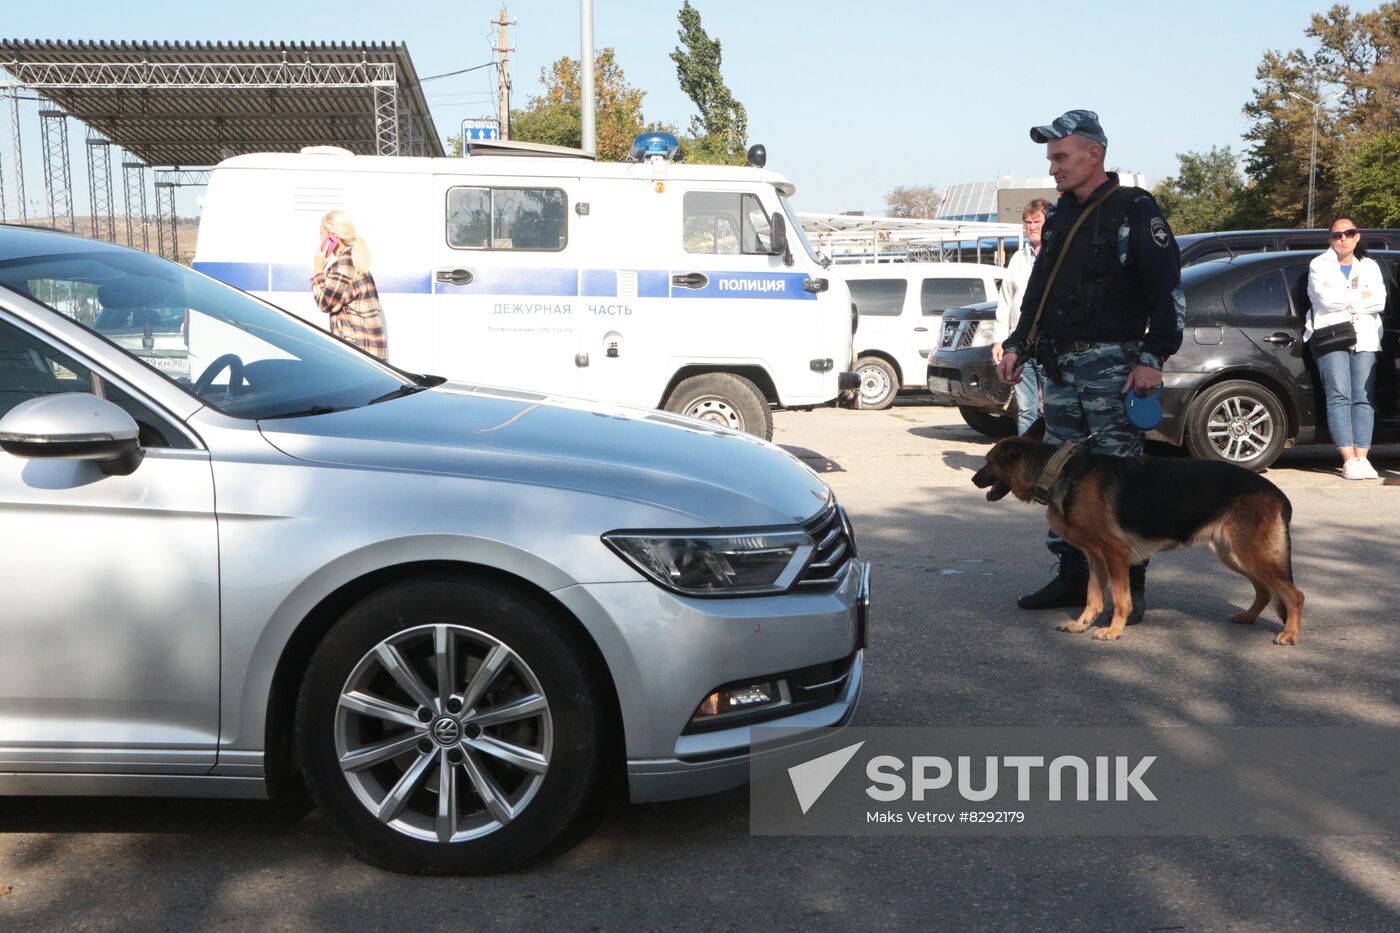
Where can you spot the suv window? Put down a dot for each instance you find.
(879, 297)
(507, 218)
(29, 368)
(725, 223)
(938, 295)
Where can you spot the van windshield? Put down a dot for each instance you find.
(796, 226)
(235, 353)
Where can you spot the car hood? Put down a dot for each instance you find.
(710, 475)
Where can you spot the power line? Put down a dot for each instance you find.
(448, 74)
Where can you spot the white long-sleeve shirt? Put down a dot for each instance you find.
(1337, 298)
(1013, 288)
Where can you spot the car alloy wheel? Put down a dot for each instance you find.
(1240, 428)
(448, 759)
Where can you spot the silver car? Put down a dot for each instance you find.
(453, 611)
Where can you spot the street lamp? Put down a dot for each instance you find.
(1317, 106)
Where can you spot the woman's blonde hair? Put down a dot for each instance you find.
(339, 223)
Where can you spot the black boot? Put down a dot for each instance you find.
(1068, 589)
(1137, 589)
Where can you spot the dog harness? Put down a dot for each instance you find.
(1053, 468)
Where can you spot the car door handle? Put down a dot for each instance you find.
(1280, 340)
(454, 276)
(690, 280)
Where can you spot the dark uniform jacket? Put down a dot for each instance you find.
(1120, 277)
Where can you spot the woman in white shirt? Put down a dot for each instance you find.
(1346, 287)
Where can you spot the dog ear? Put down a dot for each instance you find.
(1036, 432)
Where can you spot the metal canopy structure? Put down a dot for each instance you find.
(856, 238)
(177, 108)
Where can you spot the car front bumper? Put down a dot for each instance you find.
(968, 377)
(667, 653)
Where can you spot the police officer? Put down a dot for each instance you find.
(1111, 316)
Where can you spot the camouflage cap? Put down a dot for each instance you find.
(1071, 123)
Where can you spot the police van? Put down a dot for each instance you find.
(651, 282)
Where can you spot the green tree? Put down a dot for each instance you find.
(912, 201)
(1352, 56)
(555, 117)
(719, 131)
(1370, 181)
(1206, 193)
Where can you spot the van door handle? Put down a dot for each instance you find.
(921, 330)
(690, 280)
(1280, 340)
(455, 276)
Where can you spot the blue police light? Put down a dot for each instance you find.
(651, 145)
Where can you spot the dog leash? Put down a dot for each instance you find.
(1045, 483)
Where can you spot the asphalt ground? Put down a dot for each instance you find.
(947, 647)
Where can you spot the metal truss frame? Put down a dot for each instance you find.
(58, 174)
(134, 196)
(99, 166)
(16, 153)
(380, 77)
(167, 241)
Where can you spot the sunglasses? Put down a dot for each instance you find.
(1339, 234)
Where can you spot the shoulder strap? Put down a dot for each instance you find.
(1060, 258)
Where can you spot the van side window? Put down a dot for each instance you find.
(878, 297)
(507, 218)
(725, 223)
(939, 295)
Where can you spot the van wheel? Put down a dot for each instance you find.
(451, 726)
(723, 399)
(990, 423)
(1238, 422)
(878, 383)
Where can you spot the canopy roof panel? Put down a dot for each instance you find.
(192, 103)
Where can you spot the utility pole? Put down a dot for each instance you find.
(587, 99)
(503, 73)
(1317, 106)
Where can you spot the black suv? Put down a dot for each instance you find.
(1198, 247)
(1243, 386)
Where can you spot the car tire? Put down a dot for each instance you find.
(725, 399)
(878, 383)
(990, 423)
(1238, 422)
(394, 698)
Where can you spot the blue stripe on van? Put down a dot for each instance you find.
(602, 283)
(781, 285)
(249, 276)
(559, 282)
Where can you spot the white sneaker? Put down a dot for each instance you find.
(1367, 471)
(1353, 469)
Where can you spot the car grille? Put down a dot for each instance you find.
(836, 547)
(957, 335)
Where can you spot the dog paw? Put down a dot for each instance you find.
(1074, 628)
(1107, 634)
(1243, 618)
(1286, 638)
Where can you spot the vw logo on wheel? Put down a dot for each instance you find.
(447, 731)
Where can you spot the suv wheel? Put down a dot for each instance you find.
(990, 423)
(450, 726)
(1238, 422)
(724, 399)
(878, 383)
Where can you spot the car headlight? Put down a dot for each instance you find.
(982, 337)
(746, 563)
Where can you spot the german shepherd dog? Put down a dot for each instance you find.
(1119, 511)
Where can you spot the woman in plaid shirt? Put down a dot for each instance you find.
(344, 288)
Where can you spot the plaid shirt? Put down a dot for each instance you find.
(352, 301)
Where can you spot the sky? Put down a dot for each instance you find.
(851, 99)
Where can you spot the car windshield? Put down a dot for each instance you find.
(234, 352)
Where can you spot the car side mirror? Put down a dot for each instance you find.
(73, 426)
(779, 240)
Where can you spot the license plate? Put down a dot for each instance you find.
(173, 365)
(938, 384)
